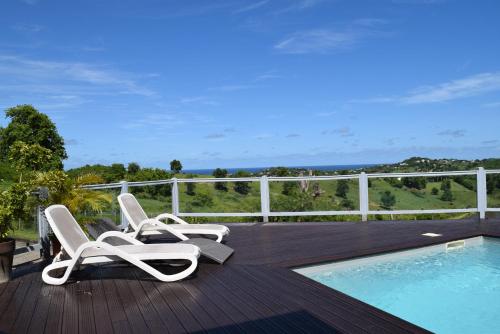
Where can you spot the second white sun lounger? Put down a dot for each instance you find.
(80, 250)
(142, 225)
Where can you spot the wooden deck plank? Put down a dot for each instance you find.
(16, 303)
(23, 318)
(254, 291)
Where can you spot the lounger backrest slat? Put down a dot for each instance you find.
(132, 209)
(65, 227)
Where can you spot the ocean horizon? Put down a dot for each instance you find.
(324, 168)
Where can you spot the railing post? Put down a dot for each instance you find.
(264, 198)
(363, 196)
(43, 224)
(175, 197)
(123, 219)
(482, 197)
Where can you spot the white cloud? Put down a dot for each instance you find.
(28, 28)
(456, 89)
(466, 87)
(30, 2)
(65, 78)
(453, 133)
(252, 6)
(230, 88)
(299, 5)
(491, 105)
(317, 41)
(325, 114)
(331, 40)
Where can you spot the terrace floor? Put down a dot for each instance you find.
(255, 291)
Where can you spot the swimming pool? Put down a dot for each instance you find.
(447, 288)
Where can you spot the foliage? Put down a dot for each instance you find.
(117, 172)
(347, 204)
(29, 157)
(466, 181)
(435, 191)
(202, 200)
(278, 171)
(6, 217)
(150, 174)
(418, 183)
(175, 166)
(7, 172)
(387, 200)
(133, 168)
(447, 195)
(289, 187)
(69, 191)
(295, 202)
(220, 173)
(342, 188)
(242, 188)
(445, 184)
(190, 186)
(32, 127)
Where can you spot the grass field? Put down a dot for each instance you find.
(208, 199)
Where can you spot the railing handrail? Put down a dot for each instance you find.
(363, 178)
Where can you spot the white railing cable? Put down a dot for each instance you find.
(363, 179)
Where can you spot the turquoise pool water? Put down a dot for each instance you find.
(445, 291)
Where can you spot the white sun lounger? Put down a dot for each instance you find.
(81, 250)
(144, 226)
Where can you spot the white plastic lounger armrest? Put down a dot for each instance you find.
(171, 216)
(160, 226)
(120, 235)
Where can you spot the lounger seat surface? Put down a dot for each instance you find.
(146, 251)
(191, 228)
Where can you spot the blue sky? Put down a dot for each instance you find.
(240, 83)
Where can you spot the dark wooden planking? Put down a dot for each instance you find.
(254, 291)
(23, 318)
(55, 310)
(102, 318)
(39, 316)
(9, 315)
(117, 314)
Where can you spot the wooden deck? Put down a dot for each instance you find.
(254, 292)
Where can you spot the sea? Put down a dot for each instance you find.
(327, 168)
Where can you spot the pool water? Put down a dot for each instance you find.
(454, 290)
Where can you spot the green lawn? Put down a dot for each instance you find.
(407, 199)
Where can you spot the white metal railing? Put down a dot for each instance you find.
(364, 209)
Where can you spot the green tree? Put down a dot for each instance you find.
(445, 185)
(418, 183)
(117, 172)
(347, 204)
(202, 200)
(447, 195)
(175, 166)
(190, 186)
(28, 158)
(133, 168)
(342, 188)
(32, 127)
(435, 191)
(220, 173)
(242, 187)
(289, 187)
(387, 200)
